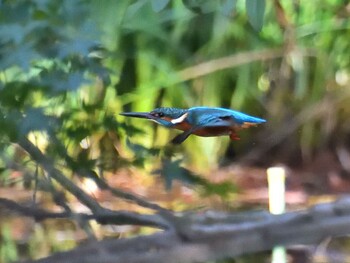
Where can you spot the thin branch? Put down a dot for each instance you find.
(102, 184)
(120, 217)
(48, 166)
(103, 217)
(36, 213)
(128, 196)
(236, 60)
(214, 65)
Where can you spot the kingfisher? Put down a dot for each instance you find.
(200, 121)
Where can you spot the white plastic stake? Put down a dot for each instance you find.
(276, 178)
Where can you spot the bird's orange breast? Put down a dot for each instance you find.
(206, 131)
(215, 131)
(183, 126)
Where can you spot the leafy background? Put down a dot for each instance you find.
(67, 68)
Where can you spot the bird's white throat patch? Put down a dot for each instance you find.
(180, 119)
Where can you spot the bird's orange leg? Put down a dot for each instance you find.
(234, 136)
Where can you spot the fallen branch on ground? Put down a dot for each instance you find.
(216, 235)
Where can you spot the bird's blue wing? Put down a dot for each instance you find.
(215, 121)
(241, 117)
(213, 117)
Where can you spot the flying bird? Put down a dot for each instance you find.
(200, 121)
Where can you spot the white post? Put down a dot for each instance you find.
(276, 178)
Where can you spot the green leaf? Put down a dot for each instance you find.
(199, 6)
(85, 162)
(19, 55)
(35, 120)
(255, 11)
(14, 94)
(60, 81)
(172, 170)
(222, 189)
(228, 7)
(12, 33)
(159, 5)
(78, 133)
(76, 46)
(8, 124)
(141, 151)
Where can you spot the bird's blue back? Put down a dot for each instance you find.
(201, 115)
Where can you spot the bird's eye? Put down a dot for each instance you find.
(158, 114)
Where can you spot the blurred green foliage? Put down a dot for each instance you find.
(68, 67)
(8, 251)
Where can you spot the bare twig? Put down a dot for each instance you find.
(128, 196)
(119, 217)
(104, 185)
(236, 60)
(37, 214)
(48, 166)
(214, 65)
(103, 217)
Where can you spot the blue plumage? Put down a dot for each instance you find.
(206, 114)
(200, 121)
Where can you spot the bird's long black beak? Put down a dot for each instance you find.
(143, 115)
